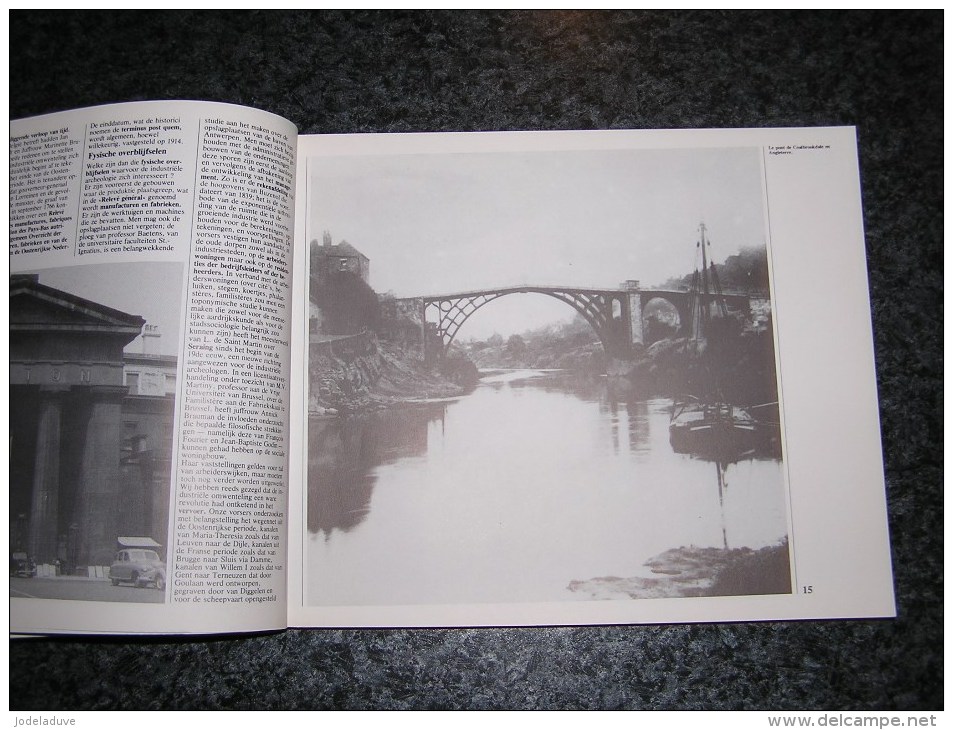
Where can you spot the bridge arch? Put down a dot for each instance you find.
(606, 311)
(680, 301)
(616, 315)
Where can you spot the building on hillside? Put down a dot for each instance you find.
(328, 259)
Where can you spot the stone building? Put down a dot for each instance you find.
(329, 258)
(90, 428)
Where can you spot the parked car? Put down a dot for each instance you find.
(21, 566)
(139, 567)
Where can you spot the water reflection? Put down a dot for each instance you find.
(524, 490)
(624, 412)
(342, 454)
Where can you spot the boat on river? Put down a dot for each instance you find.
(709, 425)
(712, 428)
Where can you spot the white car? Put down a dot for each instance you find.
(139, 567)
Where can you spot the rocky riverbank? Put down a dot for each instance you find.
(382, 375)
(692, 571)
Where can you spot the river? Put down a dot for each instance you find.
(509, 494)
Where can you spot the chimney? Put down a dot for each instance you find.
(150, 339)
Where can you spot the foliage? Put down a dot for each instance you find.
(571, 345)
(460, 370)
(657, 329)
(746, 271)
(348, 305)
(516, 345)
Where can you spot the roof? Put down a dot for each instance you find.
(137, 542)
(36, 306)
(341, 249)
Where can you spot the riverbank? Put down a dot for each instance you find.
(740, 368)
(381, 376)
(692, 572)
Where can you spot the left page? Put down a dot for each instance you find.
(150, 259)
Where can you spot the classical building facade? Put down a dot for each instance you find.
(90, 428)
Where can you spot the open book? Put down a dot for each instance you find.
(262, 380)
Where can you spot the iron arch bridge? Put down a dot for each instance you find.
(616, 315)
(606, 310)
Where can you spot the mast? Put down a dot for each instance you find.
(706, 292)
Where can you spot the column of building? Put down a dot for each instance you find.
(46, 475)
(98, 486)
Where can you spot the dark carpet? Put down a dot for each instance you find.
(427, 71)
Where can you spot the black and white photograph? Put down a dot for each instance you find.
(542, 376)
(605, 350)
(93, 360)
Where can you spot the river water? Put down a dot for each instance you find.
(510, 493)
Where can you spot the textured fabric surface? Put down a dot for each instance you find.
(374, 72)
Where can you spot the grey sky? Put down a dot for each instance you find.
(151, 290)
(442, 223)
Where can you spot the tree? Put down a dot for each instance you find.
(516, 345)
(656, 329)
(348, 304)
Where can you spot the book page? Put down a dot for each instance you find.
(582, 378)
(150, 257)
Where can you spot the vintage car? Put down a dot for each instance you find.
(138, 566)
(21, 566)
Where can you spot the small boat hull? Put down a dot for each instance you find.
(719, 430)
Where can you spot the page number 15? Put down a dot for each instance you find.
(807, 589)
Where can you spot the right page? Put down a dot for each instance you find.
(583, 377)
